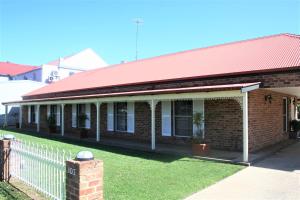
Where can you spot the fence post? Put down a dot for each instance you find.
(4, 166)
(84, 177)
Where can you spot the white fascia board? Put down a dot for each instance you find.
(157, 97)
(250, 88)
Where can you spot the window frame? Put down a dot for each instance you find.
(32, 114)
(116, 115)
(80, 109)
(174, 115)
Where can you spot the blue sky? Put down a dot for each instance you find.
(38, 31)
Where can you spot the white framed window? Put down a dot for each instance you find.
(120, 115)
(80, 112)
(183, 118)
(32, 114)
(285, 114)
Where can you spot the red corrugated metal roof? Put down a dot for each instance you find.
(12, 69)
(208, 88)
(269, 53)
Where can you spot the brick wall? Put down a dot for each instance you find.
(224, 124)
(266, 119)
(84, 180)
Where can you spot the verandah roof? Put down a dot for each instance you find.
(241, 86)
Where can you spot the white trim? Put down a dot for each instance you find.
(88, 114)
(198, 106)
(166, 118)
(245, 127)
(158, 97)
(5, 116)
(98, 109)
(74, 116)
(57, 115)
(48, 111)
(110, 117)
(37, 118)
(152, 107)
(20, 117)
(250, 88)
(29, 114)
(62, 119)
(130, 117)
(36, 113)
(286, 114)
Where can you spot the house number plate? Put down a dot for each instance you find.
(71, 171)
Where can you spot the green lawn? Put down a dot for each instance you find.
(140, 175)
(8, 192)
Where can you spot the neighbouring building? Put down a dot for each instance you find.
(64, 67)
(246, 92)
(13, 89)
(19, 79)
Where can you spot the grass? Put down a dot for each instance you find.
(8, 192)
(130, 174)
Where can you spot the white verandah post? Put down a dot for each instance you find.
(38, 118)
(62, 119)
(245, 127)
(98, 104)
(153, 106)
(20, 116)
(5, 117)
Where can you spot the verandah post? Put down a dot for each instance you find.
(98, 104)
(20, 116)
(62, 119)
(245, 127)
(153, 106)
(5, 116)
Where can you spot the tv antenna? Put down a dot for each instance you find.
(138, 22)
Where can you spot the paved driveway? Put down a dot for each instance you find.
(277, 177)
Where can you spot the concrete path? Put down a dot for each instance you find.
(274, 178)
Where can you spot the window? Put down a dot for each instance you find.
(32, 114)
(56, 113)
(53, 110)
(120, 114)
(34, 76)
(285, 114)
(183, 118)
(80, 114)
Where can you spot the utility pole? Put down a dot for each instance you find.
(138, 22)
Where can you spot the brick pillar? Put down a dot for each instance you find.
(84, 180)
(4, 159)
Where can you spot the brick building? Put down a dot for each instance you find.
(246, 92)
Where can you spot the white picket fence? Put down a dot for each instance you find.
(40, 167)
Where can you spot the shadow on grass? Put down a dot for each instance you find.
(156, 156)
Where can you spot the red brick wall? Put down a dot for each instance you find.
(224, 124)
(265, 119)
